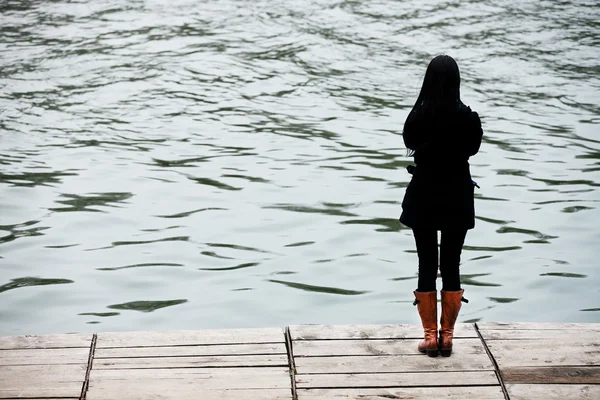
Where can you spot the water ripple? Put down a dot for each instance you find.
(85, 203)
(32, 281)
(239, 266)
(319, 289)
(147, 306)
(188, 213)
(140, 265)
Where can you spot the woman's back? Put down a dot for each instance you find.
(445, 136)
(442, 133)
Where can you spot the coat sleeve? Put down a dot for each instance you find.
(475, 134)
(412, 135)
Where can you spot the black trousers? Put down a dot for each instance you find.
(451, 244)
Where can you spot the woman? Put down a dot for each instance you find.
(441, 133)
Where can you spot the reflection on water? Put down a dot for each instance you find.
(141, 265)
(31, 281)
(564, 274)
(198, 150)
(147, 306)
(19, 230)
(502, 299)
(239, 266)
(469, 280)
(84, 203)
(319, 289)
(104, 314)
(32, 179)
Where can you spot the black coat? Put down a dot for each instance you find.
(440, 193)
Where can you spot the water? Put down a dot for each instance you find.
(185, 164)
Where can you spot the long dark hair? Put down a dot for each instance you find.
(440, 91)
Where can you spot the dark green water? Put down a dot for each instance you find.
(199, 164)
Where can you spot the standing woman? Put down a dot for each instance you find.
(441, 133)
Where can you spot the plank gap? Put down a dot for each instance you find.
(292, 365)
(494, 363)
(86, 381)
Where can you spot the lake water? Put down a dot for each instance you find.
(212, 164)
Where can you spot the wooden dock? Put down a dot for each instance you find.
(492, 361)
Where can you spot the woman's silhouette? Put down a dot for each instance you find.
(441, 133)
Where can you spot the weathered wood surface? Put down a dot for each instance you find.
(365, 362)
(538, 326)
(565, 375)
(374, 362)
(185, 392)
(213, 379)
(553, 392)
(540, 353)
(214, 364)
(190, 351)
(42, 373)
(28, 369)
(422, 379)
(538, 330)
(45, 342)
(191, 362)
(373, 347)
(386, 364)
(364, 332)
(189, 338)
(546, 360)
(190, 373)
(43, 390)
(532, 334)
(44, 356)
(413, 393)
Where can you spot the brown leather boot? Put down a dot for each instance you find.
(451, 303)
(426, 303)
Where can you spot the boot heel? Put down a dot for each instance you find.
(445, 352)
(432, 353)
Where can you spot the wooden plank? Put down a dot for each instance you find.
(192, 362)
(35, 374)
(190, 392)
(364, 332)
(563, 375)
(421, 379)
(573, 345)
(45, 342)
(526, 353)
(583, 335)
(200, 381)
(413, 393)
(44, 356)
(374, 347)
(187, 373)
(377, 364)
(202, 350)
(189, 338)
(538, 325)
(551, 392)
(21, 390)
